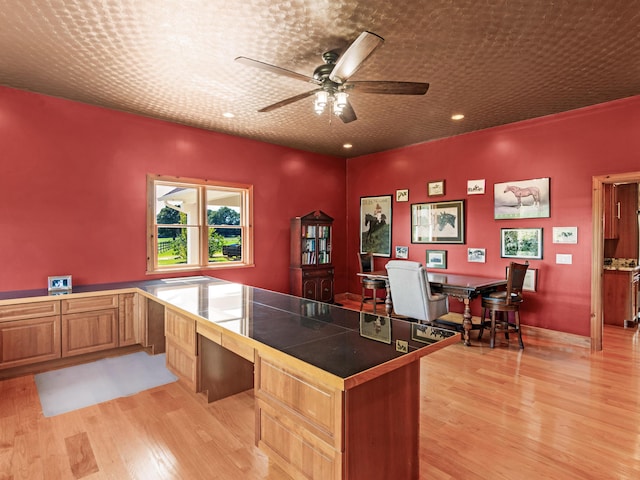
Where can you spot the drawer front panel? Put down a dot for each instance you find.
(29, 310)
(317, 404)
(302, 457)
(89, 332)
(87, 304)
(181, 331)
(29, 341)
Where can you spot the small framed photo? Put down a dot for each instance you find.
(565, 234)
(476, 255)
(475, 187)
(59, 284)
(436, 259)
(521, 243)
(402, 252)
(530, 279)
(402, 195)
(435, 189)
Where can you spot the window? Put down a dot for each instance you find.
(194, 224)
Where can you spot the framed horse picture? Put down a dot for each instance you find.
(438, 222)
(522, 199)
(375, 225)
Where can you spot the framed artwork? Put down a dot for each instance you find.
(438, 222)
(61, 283)
(436, 259)
(435, 189)
(402, 252)
(475, 187)
(521, 243)
(522, 199)
(565, 234)
(530, 279)
(375, 225)
(402, 195)
(476, 255)
(375, 327)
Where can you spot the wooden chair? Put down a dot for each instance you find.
(503, 303)
(411, 292)
(365, 260)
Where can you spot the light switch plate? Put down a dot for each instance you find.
(564, 258)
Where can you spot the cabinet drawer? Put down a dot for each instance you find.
(317, 273)
(182, 364)
(318, 406)
(89, 332)
(300, 454)
(29, 310)
(33, 340)
(181, 331)
(87, 304)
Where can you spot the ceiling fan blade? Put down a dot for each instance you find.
(277, 70)
(389, 88)
(348, 114)
(353, 57)
(289, 100)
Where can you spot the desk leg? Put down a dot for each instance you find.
(388, 304)
(466, 323)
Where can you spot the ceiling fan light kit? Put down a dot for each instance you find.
(332, 77)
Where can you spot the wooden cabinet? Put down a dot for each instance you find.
(181, 345)
(298, 421)
(618, 297)
(89, 324)
(311, 268)
(29, 333)
(611, 211)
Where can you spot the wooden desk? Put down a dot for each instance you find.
(461, 287)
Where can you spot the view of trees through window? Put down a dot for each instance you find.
(187, 234)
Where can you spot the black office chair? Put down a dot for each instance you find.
(365, 260)
(505, 302)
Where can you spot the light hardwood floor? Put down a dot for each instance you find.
(545, 412)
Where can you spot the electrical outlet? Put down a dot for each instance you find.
(402, 346)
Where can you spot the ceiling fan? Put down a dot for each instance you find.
(332, 79)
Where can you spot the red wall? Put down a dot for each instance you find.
(570, 148)
(73, 183)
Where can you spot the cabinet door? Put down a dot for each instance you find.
(182, 348)
(128, 320)
(310, 288)
(23, 342)
(611, 211)
(617, 292)
(89, 332)
(326, 289)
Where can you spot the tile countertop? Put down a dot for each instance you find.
(340, 341)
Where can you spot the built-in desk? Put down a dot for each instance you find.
(337, 391)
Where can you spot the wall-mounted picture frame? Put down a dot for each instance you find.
(435, 188)
(402, 252)
(530, 279)
(475, 187)
(522, 199)
(521, 243)
(61, 283)
(438, 222)
(565, 234)
(375, 327)
(477, 255)
(436, 259)
(375, 225)
(402, 195)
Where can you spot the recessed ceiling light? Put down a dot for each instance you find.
(347, 145)
(457, 116)
(228, 115)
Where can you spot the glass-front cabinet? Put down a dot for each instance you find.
(311, 269)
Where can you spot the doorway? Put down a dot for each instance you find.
(597, 253)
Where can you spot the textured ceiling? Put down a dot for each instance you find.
(495, 61)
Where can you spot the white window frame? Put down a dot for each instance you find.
(201, 186)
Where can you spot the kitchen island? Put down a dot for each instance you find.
(336, 391)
